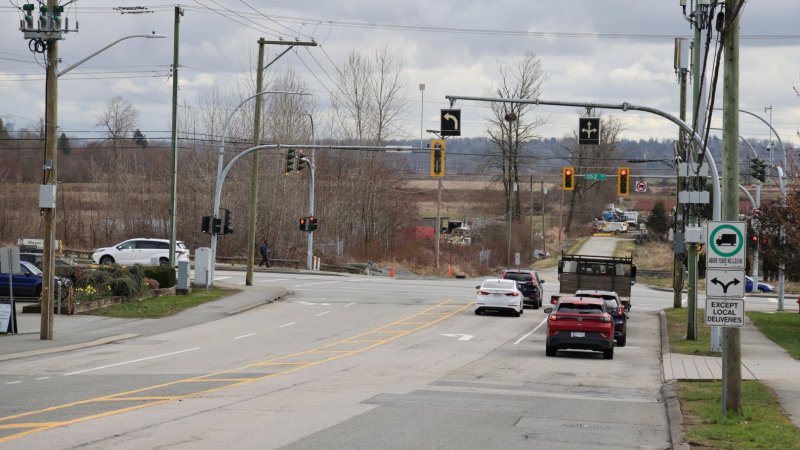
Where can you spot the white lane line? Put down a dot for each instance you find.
(287, 325)
(221, 278)
(772, 300)
(244, 336)
(531, 332)
(132, 361)
(350, 304)
(322, 313)
(42, 378)
(14, 382)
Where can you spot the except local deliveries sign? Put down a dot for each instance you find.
(726, 249)
(724, 312)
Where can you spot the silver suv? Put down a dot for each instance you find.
(140, 251)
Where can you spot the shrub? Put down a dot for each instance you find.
(150, 284)
(165, 276)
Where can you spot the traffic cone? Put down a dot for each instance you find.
(449, 271)
(391, 271)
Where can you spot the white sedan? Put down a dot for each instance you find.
(499, 295)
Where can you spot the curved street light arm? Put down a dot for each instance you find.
(146, 36)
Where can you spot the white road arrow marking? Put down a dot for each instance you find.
(449, 116)
(461, 337)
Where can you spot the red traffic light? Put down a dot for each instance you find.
(623, 172)
(568, 172)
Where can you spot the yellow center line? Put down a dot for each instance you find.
(227, 382)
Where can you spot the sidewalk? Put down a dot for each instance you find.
(80, 331)
(762, 360)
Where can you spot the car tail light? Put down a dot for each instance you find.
(512, 294)
(620, 310)
(604, 335)
(483, 293)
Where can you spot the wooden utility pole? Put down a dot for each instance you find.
(732, 362)
(251, 235)
(50, 179)
(173, 227)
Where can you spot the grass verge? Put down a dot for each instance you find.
(165, 305)
(782, 328)
(761, 423)
(677, 329)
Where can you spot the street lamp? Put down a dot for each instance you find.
(313, 167)
(421, 111)
(221, 165)
(47, 191)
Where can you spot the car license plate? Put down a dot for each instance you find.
(578, 334)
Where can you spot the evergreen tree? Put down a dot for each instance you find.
(63, 144)
(658, 222)
(139, 138)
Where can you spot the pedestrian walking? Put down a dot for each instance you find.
(264, 253)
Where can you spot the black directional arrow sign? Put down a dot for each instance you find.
(725, 283)
(450, 122)
(589, 131)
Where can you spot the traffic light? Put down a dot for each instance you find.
(302, 161)
(754, 241)
(759, 169)
(303, 224)
(216, 225)
(437, 157)
(623, 181)
(227, 227)
(291, 156)
(312, 223)
(206, 225)
(568, 178)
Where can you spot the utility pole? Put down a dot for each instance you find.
(682, 67)
(51, 181)
(732, 361)
(544, 238)
(174, 168)
(251, 235)
(530, 219)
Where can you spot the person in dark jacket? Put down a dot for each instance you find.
(264, 250)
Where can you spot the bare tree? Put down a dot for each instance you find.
(119, 120)
(512, 125)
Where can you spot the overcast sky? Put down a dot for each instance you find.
(606, 51)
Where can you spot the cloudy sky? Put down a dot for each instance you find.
(606, 51)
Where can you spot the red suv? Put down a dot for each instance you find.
(580, 323)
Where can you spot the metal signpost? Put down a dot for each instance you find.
(725, 281)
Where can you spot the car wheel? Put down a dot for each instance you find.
(107, 260)
(550, 350)
(516, 313)
(163, 262)
(608, 354)
(477, 312)
(622, 340)
(536, 304)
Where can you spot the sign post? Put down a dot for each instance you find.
(725, 281)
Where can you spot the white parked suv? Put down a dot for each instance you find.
(140, 251)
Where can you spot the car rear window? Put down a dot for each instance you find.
(517, 276)
(583, 308)
(496, 284)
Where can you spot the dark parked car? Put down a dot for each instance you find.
(28, 283)
(615, 308)
(529, 283)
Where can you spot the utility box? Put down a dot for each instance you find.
(695, 235)
(202, 267)
(183, 279)
(47, 196)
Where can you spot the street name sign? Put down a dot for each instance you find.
(595, 176)
(724, 312)
(725, 247)
(725, 283)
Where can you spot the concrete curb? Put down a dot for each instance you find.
(259, 303)
(64, 348)
(669, 392)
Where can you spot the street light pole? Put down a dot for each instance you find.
(313, 167)
(51, 174)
